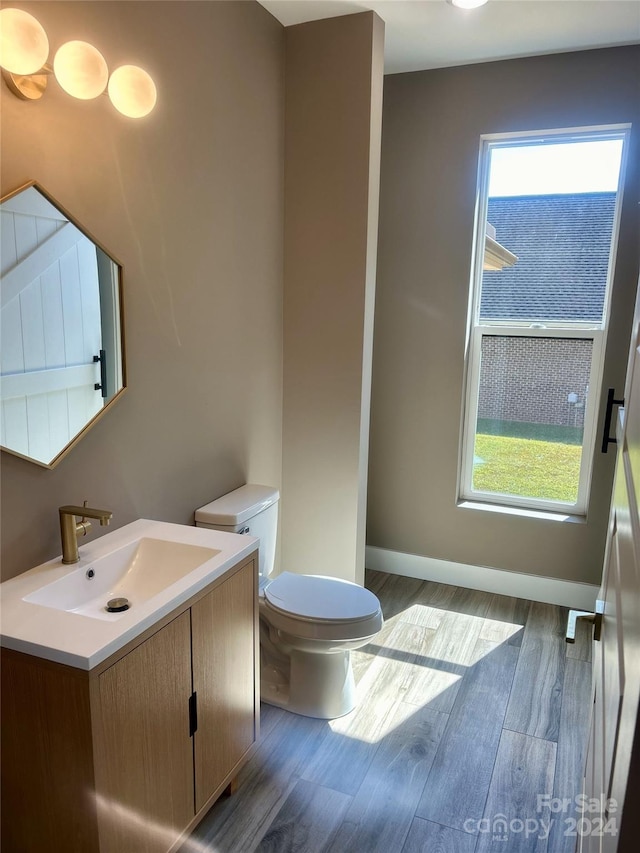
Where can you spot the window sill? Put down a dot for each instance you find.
(522, 512)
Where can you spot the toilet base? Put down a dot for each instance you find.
(319, 685)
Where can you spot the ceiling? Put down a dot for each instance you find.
(423, 34)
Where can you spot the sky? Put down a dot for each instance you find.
(570, 167)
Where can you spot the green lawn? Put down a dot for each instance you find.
(527, 467)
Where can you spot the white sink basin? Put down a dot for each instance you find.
(137, 571)
(58, 612)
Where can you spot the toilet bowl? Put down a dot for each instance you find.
(309, 624)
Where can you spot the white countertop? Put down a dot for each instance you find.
(82, 641)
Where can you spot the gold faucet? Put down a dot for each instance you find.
(70, 529)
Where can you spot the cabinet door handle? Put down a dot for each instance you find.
(193, 714)
(595, 618)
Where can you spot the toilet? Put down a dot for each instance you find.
(308, 623)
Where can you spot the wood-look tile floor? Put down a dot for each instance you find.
(471, 707)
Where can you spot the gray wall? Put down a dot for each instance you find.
(191, 201)
(333, 124)
(432, 122)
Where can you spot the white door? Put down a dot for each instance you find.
(612, 775)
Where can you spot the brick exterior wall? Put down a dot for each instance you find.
(529, 379)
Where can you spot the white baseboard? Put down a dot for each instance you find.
(581, 596)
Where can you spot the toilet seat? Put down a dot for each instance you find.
(320, 597)
(315, 606)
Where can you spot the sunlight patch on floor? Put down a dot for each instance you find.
(420, 663)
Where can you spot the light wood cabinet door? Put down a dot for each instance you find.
(224, 666)
(144, 766)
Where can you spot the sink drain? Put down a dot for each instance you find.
(117, 605)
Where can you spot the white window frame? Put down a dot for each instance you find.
(478, 329)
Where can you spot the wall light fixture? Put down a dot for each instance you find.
(467, 4)
(78, 66)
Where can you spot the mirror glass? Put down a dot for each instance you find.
(61, 344)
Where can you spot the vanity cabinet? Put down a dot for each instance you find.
(128, 757)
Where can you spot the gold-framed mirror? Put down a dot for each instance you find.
(62, 359)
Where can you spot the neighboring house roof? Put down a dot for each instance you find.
(563, 244)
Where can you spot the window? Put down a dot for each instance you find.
(545, 242)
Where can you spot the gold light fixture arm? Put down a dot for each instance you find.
(28, 87)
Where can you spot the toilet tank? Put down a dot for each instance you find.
(251, 509)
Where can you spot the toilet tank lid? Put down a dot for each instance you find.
(238, 506)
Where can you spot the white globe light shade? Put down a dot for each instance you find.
(24, 46)
(467, 4)
(81, 70)
(132, 91)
